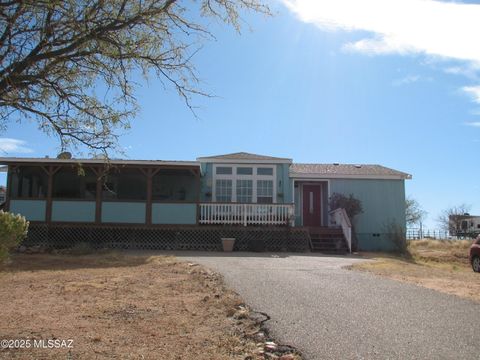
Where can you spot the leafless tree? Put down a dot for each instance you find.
(68, 64)
(450, 219)
(414, 214)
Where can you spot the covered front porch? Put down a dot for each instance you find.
(95, 192)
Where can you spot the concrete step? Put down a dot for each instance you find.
(327, 240)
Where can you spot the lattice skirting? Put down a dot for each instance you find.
(174, 238)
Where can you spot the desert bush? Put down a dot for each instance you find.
(397, 236)
(13, 229)
(352, 205)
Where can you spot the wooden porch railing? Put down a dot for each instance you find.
(340, 218)
(246, 214)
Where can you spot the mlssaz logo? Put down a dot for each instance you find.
(53, 344)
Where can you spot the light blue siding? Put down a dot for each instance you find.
(123, 212)
(75, 211)
(174, 214)
(284, 185)
(33, 210)
(206, 187)
(298, 210)
(383, 203)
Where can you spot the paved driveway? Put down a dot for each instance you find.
(331, 313)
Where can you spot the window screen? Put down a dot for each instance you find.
(29, 182)
(68, 184)
(174, 186)
(125, 184)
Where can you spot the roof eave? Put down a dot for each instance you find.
(244, 161)
(11, 161)
(349, 176)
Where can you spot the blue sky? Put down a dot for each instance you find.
(396, 85)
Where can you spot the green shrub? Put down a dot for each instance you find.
(13, 229)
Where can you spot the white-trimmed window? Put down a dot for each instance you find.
(244, 191)
(223, 189)
(244, 170)
(224, 170)
(264, 191)
(264, 171)
(244, 183)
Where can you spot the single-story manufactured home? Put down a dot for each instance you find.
(191, 204)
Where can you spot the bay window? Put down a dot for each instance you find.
(244, 183)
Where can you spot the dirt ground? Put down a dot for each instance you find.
(441, 265)
(120, 307)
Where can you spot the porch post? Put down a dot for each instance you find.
(148, 212)
(8, 190)
(98, 196)
(244, 214)
(197, 178)
(48, 211)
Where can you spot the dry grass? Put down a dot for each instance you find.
(441, 265)
(440, 251)
(121, 307)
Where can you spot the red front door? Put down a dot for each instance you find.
(312, 205)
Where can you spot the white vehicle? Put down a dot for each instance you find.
(464, 225)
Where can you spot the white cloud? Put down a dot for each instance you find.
(469, 70)
(409, 79)
(473, 92)
(444, 29)
(473, 123)
(13, 146)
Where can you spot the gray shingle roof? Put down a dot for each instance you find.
(347, 170)
(244, 156)
(14, 160)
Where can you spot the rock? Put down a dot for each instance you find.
(284, 349)
(287, 357)
(241, 314)
(271, 346)
(22, 248)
